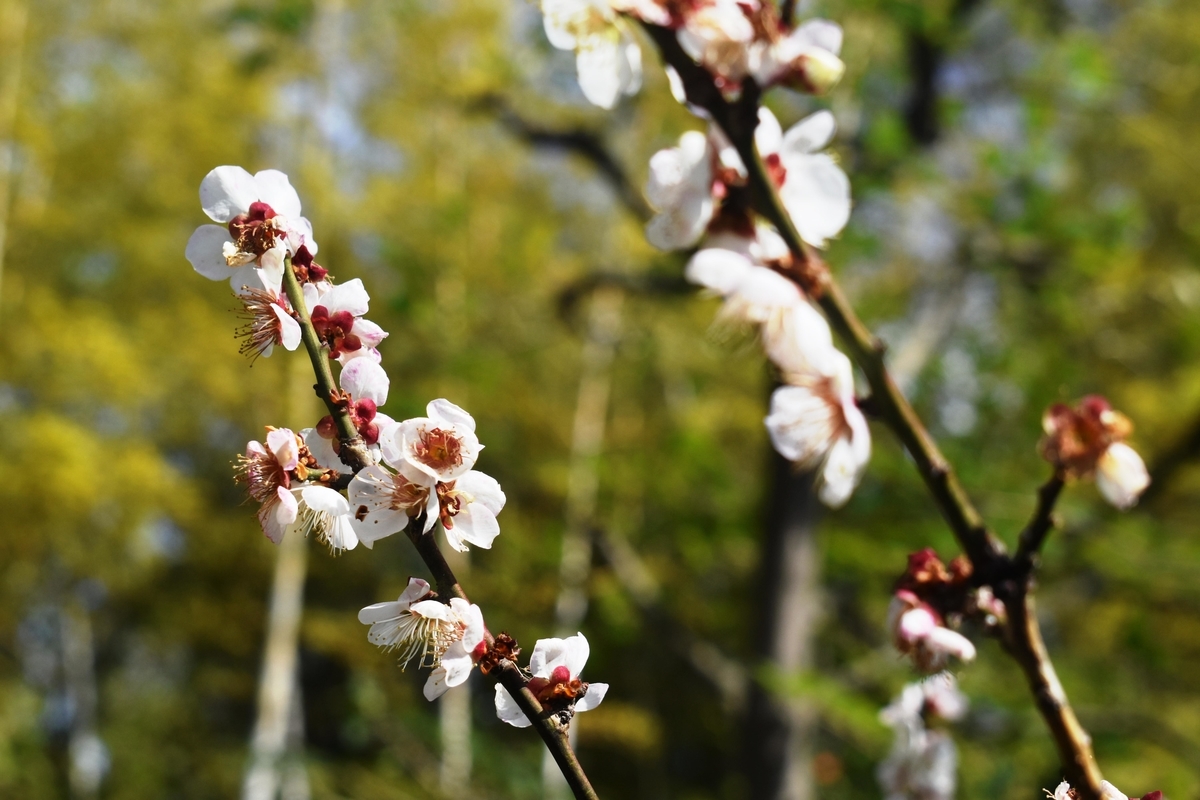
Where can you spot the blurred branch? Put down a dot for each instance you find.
(580, 141)
(992, 565)
(1034, 535)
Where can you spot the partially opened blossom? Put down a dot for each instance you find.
(804, 59)
(814, 189)
(1107, 792)
(337, 317)
(555, 665)
(815, 423)
(384, 502)
(917, 630)
(607, 58)
(467, 508)
(260, 227)
(364, 379)
(443, 444)
(269, 322)
(267, 472)
(719, 35)
(456, 662)
(1088, 440)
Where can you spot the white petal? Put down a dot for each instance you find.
(600, 63)
(768, 136)
(289, 328)
(370, 335)
(472, 618)
(944, 640)
(547, 654)
(370, 501)
(809, 135)
(840, 474)
(381, 611)
(764, 288)
(270, 268)
(322, 498)
(1110, 792)
(275, 190)
(204, 251)
(797, 339)
(475, 524)
(247, 277)
(718, 269)
(322, 450)
(816, 194)
(391, 445)
(445, 411)
(595, 695)
(508, 710)
(559, 17)
(819, 33)
(916, 624)
(436, 685)
(801, 424)
(458, 663)
(365, 380)
(349, 296)
(226, 192)
(1121, 475)
(484, 489)
(578, 651)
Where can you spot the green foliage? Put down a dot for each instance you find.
(123, 399)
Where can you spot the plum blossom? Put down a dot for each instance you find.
(719, 35)
(456, 662)
(555, 665)
(923, 763)
(680, 188)
(442, 445)
(384, 502)
(917, 630)
(814, 189)
(805, 59)
(737, 268)
(365, 387)
(337, 315)
(260, 227)
(816, 423)
(607, 58)
(467, 508)
(1088, 440)
(429, 631)
(268, 322)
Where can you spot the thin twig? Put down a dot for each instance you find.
(992, 565)
(355, 454)
(1034, 535)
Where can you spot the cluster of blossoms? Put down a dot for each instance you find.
(1107, 792)
(928, 597)
(420, 471)
(923, 762)
(1089, 440)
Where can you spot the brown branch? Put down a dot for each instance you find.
(1034, 535)
(992, 565)
(354, 452)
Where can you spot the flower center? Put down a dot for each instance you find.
(253, 233)
(559, 689)
(451, 502)
(262, 329)
(263, 475)
(438, 449)
(335, 331)
(407, 496)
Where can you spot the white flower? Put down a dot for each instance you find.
(384, 502)
(680, 188)
(268, 322)
(555, 666)
(607, 59)
(734, 267)
(917, 631)
(812, 186)
(364, 379)
(719, 35)
(815, 422)
(1121, 475)
(266, 471)
(418, 627)
(922, 764)
(807, 58)
(455, 664)
(261, 226)
(337, 315)
(443, 445)
(467, 508)
(326, 513)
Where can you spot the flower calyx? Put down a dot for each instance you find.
(503, 648)
(306, 269)
(254, 232)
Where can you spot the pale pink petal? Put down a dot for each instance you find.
(369, 334)
(442, 410)
(365, 380)
(916, 624)
(944, 640)
(282, 444)
(595, 695)
(1121, 475)
(547, 654)
(289, 328)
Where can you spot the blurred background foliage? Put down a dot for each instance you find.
(1026, 230)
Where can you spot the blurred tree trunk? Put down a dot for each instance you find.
(583, 483)
(780, 730)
